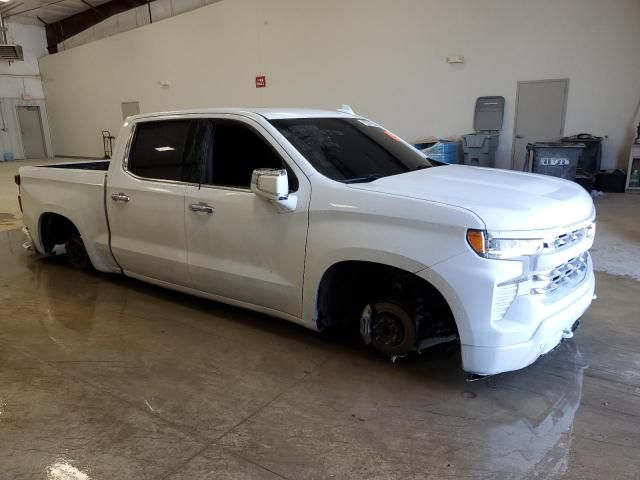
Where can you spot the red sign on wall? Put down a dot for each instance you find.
(261, 81)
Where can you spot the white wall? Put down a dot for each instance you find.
(386, 59)
(20, 80)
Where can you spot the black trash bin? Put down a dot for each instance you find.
(611, 181)
(554, 158)
(589, 161)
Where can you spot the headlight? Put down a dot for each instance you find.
(502, 248)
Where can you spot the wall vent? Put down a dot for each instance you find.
(11, 52)
(8, 51)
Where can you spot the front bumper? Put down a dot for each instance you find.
(503, 325)
(492, 360)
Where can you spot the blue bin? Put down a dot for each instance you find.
(424, 145)
(445, 151)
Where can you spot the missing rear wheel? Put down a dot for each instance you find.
(77, 253)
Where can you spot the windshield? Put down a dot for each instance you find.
(351, 150)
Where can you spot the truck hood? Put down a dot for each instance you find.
(503, 199)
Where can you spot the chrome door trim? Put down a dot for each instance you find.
(202, 207)
(120, 197)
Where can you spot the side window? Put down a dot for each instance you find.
(237, 151)
(166, 150)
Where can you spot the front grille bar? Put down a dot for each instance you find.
(569, 238)
(570, 272)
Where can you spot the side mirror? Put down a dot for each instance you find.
(270, 183)
(273, 184)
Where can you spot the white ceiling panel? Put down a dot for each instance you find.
(28, 11)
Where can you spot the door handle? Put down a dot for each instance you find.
(519, 136)
(201, 207)
(119, 197)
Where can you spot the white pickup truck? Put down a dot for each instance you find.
(325, 218)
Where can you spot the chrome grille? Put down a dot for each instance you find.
(569, 238)
(568, 274)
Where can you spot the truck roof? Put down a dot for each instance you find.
(269, 113)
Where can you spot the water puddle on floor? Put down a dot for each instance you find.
(62, 470)
(7, 218)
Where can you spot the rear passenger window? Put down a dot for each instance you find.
(166, 150)
(237, 151)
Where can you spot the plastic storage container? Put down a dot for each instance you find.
(480, 147)
(554, 159)
(589, 162)
(445, 151)
(611, 181)
(423, 144)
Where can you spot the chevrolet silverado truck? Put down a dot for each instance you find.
(327, 219)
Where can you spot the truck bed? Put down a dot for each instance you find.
(74, 190)
(101, 165)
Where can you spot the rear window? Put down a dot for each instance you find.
(159, 151)
(351, 150)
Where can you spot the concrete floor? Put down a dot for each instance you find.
(102, 377)
(617, 246)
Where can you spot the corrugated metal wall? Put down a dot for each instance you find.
(20, 80)
(10, 138)
(134, 18)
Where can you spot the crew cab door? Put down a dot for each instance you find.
(240, 246)
(145, 200)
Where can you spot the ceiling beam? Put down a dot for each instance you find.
(6, 10)
(93, 8)
(65, 28)
(37, 7)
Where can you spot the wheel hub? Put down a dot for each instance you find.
(388, 329)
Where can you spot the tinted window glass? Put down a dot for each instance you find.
(350, 149)
(167, 150)
(237, 151)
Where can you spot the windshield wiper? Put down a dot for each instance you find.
(365, 179)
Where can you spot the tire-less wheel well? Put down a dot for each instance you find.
(55, 230)
(348, 287)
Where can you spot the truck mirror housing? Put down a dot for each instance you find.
(270, 183)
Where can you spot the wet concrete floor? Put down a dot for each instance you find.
(102, 377)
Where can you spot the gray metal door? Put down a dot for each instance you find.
(129, 109)
(31, 132)
(540, 112)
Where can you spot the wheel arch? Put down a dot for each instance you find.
(333, 279)
(54, 228)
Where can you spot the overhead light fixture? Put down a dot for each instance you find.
(164, 149)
